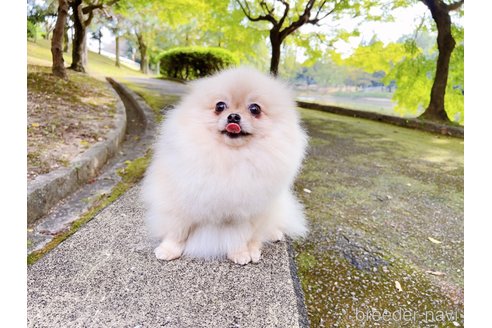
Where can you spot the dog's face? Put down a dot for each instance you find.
(240, 105)
(239, 117)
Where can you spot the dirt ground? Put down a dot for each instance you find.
(64, 118)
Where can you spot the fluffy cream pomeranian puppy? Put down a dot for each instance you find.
(224, 164)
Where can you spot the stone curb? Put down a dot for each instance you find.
(413, 123)
(143, 109)
(48, 189)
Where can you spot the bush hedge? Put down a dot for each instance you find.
(189, 63)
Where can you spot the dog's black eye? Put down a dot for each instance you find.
(255, 109)
(220, 106)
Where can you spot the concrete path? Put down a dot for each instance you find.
(161, 86)
(106, 275)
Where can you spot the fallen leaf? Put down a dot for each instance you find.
(384, 198)
(35, 125)
(435, 241)
(435, 273)
(398, 286)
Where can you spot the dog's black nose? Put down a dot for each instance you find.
(233, 118)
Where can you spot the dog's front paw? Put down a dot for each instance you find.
(276, 236)
(255, 255)
(252, 253)
(241, 257)
(169, 250)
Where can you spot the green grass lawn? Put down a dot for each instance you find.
(39, 53)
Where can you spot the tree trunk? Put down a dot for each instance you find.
(117, 51)
(144, 61)
(66, 39)
(85, 54)
(445, 44)
(79, 38)
(78, 50)
(47, 31)
(276, 42)
(58, 67)
(142, 48)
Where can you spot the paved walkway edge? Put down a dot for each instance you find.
(413, 123)
(48, 189)
(296, 282)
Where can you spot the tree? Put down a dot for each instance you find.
(146, 19)
(66, 39)
(412, 67)
(156, 25)
(445, 44)
(429, 79)
(49, 25)
(214, 23)
(42, 13)
(290, 19)
(114, 24)
(117, 50)
(142, 48)
(141, 23)
(58, 67)
(83, 13)
(98, 35)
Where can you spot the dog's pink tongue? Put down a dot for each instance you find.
(233, 128)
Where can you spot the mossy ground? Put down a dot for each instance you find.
(378, 192)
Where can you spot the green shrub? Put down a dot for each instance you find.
(189, 63)
(31, 30)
